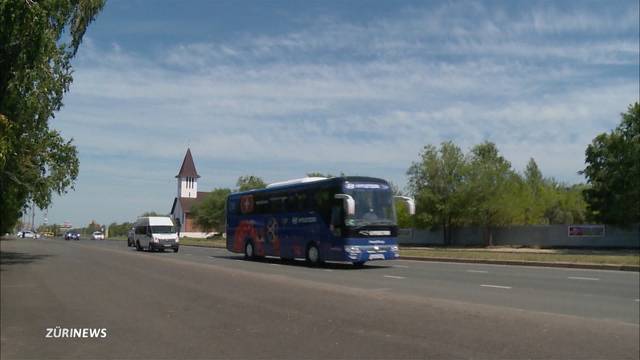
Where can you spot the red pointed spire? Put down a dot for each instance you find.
(188, 168)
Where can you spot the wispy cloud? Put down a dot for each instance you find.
(335, 96)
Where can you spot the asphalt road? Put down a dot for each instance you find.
(208, 303)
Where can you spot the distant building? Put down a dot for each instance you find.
(187, 196)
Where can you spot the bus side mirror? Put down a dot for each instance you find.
(349, 203)
(411, 204)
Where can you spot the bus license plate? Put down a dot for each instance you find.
(376, 257)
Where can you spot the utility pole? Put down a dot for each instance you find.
(33, 216)
(24, 219)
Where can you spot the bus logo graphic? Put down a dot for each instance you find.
(246, 204)
(375, 233)
(272, 231)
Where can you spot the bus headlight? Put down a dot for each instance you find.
(352, 249)
(394, 248)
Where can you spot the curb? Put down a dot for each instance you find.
(528, 263)
(635, 268)
(205, 246)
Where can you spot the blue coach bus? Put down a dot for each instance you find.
(347, 219)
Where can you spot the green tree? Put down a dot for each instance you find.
(319, 174)
(116, 229)
(613, 172)
(438, 183)
(546, 201)
(533, 197)
(405, 220)
(210, 212)
(493, 185)
(37, 42)
(564, 204)
(250, 182)
(150, 213)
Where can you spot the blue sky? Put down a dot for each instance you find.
(281, 88)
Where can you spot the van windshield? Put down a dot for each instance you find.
(164, 229)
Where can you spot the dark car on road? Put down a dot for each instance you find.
(71, 235)
(130, 237)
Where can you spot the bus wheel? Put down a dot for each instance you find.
(138, 247)
(313, 255)
(249, 252)
(358, 264)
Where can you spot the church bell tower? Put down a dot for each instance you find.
(187, 178)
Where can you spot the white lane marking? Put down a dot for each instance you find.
(582, 278)
(273, 264)
(394, 277)
(328, 270)
(496, 286)
(401, 266)
(637, 300)
(478, 271)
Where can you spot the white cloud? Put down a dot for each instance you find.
(364, 99)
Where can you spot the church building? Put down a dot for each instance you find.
(187, 196)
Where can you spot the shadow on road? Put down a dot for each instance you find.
(18, 258)
(288, 262)
(302, 263)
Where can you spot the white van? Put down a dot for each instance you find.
(155, 233)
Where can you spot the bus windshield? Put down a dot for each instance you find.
(162, 229)
(374, 205)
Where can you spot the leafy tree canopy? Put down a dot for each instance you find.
(250, 182)
(613, 171)
(481, 188)
(151, 213)
(209, 213)
(319, 174)
(37, 42)
(437, 181)
(121, 230)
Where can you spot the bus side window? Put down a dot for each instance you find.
(274, 204)
(310, 202)
(292, 203)
(261, 204)
(336, 215)
(282, 202)
(324, 203)
(302, 202)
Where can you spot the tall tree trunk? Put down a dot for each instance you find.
(487, 235)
